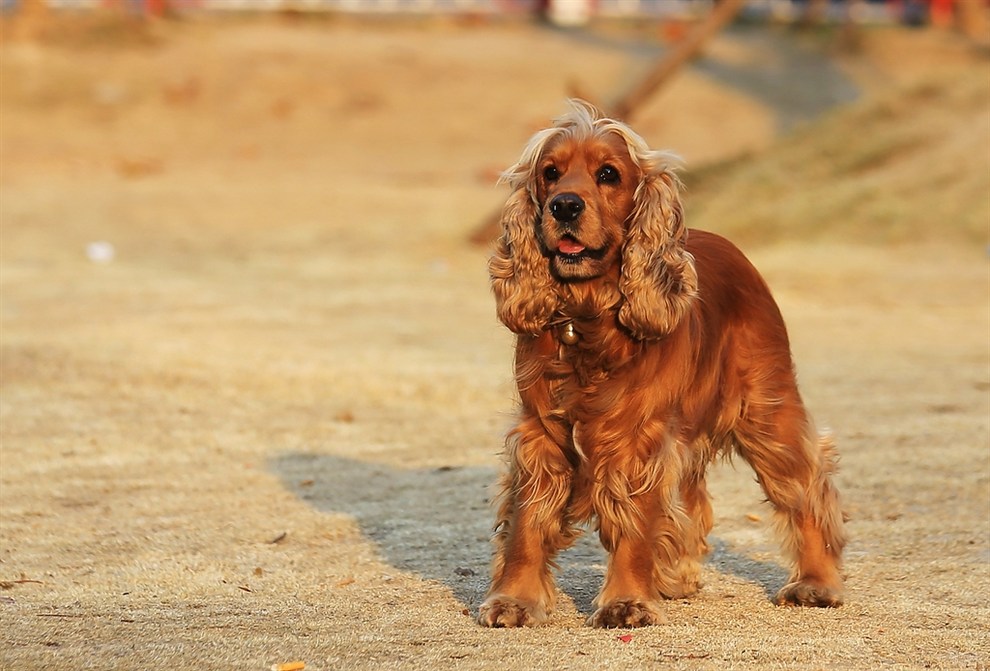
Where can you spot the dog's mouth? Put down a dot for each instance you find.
(568, 246)
(571, 250)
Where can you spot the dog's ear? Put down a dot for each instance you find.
(659, 281)
(524, 289)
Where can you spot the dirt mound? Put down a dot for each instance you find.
(911, 165)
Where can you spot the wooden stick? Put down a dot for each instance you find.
(972, 18)
(684, 51)
(488, 230)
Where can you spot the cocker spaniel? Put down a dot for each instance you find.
(644, 350)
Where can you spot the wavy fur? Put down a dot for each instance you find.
(644, 351)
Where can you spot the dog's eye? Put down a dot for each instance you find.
(608, 175)
(551, 174)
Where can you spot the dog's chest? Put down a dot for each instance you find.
(585, 376)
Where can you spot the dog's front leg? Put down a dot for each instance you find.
(630, 596)
(531, 529)
(641, 525)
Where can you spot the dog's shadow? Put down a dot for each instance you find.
(436, 523)
(433, 522)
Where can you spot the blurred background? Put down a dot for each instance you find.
(249, 362)
(418, 93)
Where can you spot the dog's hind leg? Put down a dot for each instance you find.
(686, 574)
(795, 467)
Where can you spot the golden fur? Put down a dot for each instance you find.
(644, 351)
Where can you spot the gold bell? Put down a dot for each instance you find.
(569, 336)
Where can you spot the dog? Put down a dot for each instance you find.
(644, 350)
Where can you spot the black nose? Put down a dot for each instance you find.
(566, 207)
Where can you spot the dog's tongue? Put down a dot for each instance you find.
(568, 246)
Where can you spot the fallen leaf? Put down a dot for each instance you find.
(625, 638)
(9, 584)
(289, 666)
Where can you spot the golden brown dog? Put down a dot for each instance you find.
(644, 350)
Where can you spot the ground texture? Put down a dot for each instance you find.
(253, 389)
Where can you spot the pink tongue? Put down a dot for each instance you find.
(566, 246)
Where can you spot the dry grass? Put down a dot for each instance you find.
(904, 167)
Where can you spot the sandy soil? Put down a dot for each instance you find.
(265, 429)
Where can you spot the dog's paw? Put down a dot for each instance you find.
(626, 614)
(500, 611)
(812, 593)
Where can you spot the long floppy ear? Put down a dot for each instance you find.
(659, 281)
(524, 290)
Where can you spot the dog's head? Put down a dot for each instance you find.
(590, 201)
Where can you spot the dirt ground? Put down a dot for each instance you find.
(253, 388)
